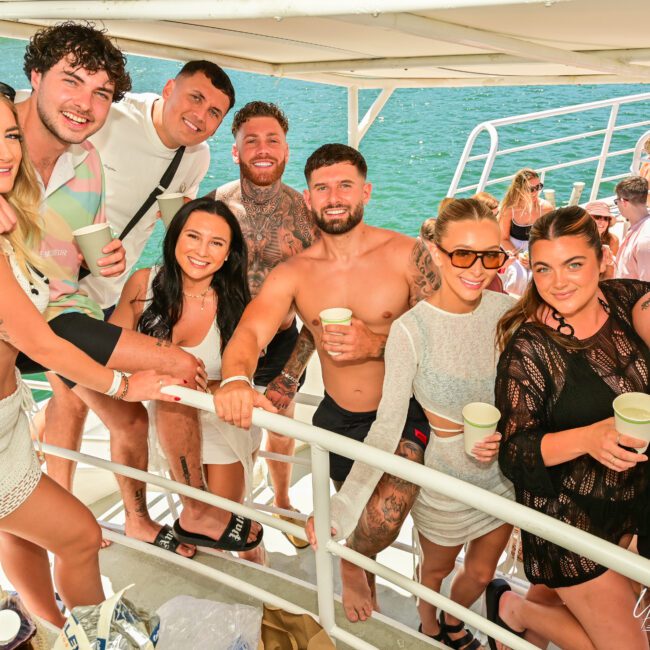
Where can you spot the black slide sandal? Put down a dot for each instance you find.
(165, 539)
(493, 593)
(233, 537)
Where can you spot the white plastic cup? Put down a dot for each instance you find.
(632, 416)
(91, 240)
(479, 420)
(169, 205)
(335, 316)
(549, 195)
(9, 626)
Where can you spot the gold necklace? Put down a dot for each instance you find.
(201, 295)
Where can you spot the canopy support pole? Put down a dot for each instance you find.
(356, 131)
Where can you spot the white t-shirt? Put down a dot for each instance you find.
(134, 160)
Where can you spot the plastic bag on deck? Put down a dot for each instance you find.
(115, 624)
(187, 622)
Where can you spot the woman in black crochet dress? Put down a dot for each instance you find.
(570, 346)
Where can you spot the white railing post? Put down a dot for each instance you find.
(353, 116)
(320, 482)
(602, 161)
(487, 167)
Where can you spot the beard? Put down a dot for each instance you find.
(338, 226)
(261, 176)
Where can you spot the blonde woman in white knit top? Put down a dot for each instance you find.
(443, 352)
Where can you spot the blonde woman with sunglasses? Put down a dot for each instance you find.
(443, 352)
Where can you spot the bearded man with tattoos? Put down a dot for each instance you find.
(378, 274)
(276, 225)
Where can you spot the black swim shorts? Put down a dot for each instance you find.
(329, 415)
(95, 337)
(277, 354)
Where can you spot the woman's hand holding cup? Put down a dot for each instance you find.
(605, 444)
(487, 449)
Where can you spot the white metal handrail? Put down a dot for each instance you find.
(491, 127)
(322, 442)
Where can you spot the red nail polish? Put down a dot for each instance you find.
(185, 381)
(178, 399)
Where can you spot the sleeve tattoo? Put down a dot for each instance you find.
(424, 275)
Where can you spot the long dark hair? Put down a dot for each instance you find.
(230, 282)
(563, 222)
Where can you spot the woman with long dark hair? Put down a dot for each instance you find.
(195, 299)
(570, 346)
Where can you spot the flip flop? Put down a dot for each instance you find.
(493, 593)
(233, 537)
(298, 542)
(165, 539)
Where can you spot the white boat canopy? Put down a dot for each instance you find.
(376, 43)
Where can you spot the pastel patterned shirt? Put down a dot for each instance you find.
(73, 198)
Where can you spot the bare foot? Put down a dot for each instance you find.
(257, 555)
(357, 597)
(509, 611)
(147, 530)
(105, 543)
(206, 520)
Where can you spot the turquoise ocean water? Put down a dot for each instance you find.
(412, 148)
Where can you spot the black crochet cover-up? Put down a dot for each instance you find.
(542, 388)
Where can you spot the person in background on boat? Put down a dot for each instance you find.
(491, 201)
(520, 208)
(195, 299)
(602, 215)
(570, 346)
(137, 143)
(634, 252)
(36, 514)
(378, 274)
(76, 73)
(276, 225)
(442, 351)
(644, 167)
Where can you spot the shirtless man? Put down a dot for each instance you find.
(276, 225)
(378, 274)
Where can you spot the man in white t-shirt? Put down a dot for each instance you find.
(137, 144)
(633, 259)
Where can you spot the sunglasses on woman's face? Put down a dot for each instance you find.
(600, 217)
(7, 91)
(536, 188)
(462, 258)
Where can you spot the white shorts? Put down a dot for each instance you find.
(219, 439)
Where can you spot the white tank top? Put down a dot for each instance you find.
(209, 349)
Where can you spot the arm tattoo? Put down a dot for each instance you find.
(301, 353)
(424, 276)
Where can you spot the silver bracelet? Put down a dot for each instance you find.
(236, 378)
(290, 378)
(117, 380)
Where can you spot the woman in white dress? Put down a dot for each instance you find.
(36, 514)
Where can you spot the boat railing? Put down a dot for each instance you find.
(493, 128)
(321, 443)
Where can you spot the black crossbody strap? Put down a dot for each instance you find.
(159, 189)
